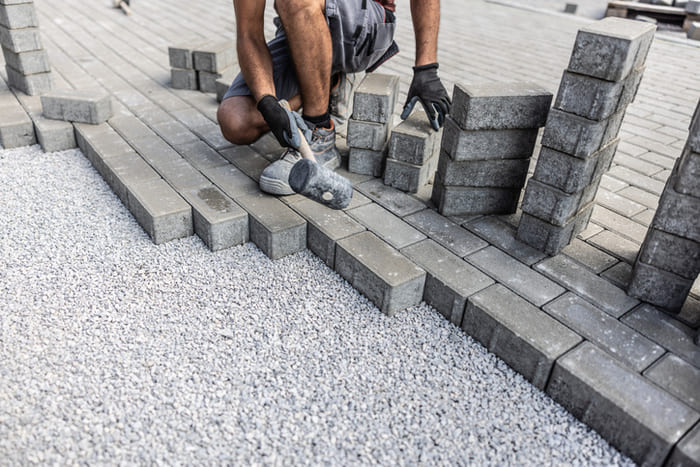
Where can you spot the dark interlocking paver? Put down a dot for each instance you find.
(584, 282)
(450, 281)
(631, 413)
(525, 337)
(617, 339)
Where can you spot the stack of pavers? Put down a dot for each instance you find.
(486, 147)
(413, 150)
(580, 137)
(669, 260)
(26, 62)
(199, 65)
(370, 124)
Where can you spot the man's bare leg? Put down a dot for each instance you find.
(240, 121)
(309, 40)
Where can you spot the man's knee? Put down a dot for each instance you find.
(288, 8)
(237, 122)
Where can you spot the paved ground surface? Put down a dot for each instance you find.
(113, 350)
(93, 45)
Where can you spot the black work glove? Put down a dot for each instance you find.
(283, 123)
(427, 87)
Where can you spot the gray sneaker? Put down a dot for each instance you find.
(342, 99)
(275, 178)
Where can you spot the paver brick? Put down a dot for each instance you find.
(671, 253)
(593, 258)
(27, 63)
(689, 174)
(457, 200)
(181, 78)
(635, 416)
(526, 338)
(463, 145)
(123, 171)
(200, 155)
(665, 331)
(507, 173)
(659, 287)
(230, 180)
(33, 84)
(367, 135)
(18, 16)
(53, 135)
(207, 80)
(587, 284)
(180, 55)
(20, 40)
(180, 174)
(16, 128)
(386, 225)
(611, 48)
(160, 211)
(549, 238)
(274, 228)
(687, 451)
(366, 162)
(246, 160)
(385, 276)
(446, 233)
(617, 339)
(498, 106)
(409, 177)
(572, 174)
(527, 283)
(218, 221)
(578, 136)
(678, 214)
(325, 226)
(214, 56)
(390, 198)
(413, 140)
(375, 98)
(502, 235)
(77, 106)
(594, 98)
(550, 204)
(616, 245)
(450, 280)
(678, 377)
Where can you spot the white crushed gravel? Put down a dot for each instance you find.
(113, 350)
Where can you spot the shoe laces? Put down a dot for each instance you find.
(291, 155)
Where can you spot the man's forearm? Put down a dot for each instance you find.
(426, 24)
(256, 65)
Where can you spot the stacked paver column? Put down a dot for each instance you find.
(26, 62)
(669, 260)
(370, 124)
(580, 136)
(486, 147)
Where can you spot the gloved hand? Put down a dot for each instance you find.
(427, 87)
(283, 123)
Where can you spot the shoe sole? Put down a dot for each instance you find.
(278, 187)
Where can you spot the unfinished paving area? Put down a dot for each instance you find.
(576, 296)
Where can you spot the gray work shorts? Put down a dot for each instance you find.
(360, 35)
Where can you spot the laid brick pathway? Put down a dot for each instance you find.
(564, 322)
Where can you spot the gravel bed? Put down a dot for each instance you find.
(113, 350)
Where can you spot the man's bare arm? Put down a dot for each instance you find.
(253, 55)
(426, 25)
